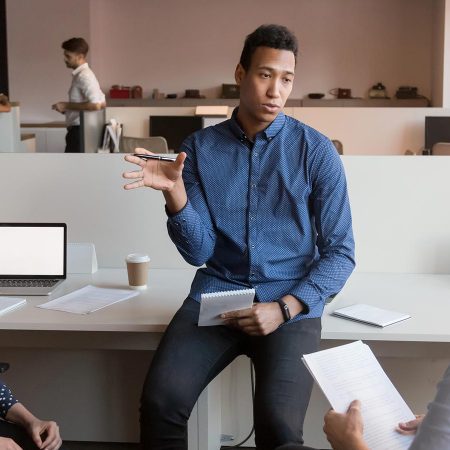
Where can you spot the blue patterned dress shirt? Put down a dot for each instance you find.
(272, 214)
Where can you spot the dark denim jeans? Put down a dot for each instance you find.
(17, 434)
(189, 357)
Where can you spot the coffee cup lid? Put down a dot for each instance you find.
(138, 258)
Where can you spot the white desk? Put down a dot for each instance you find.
(136, 326)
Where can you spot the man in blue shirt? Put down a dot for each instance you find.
(261, 201)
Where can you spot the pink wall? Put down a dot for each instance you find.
(37, 74)
(174, 45)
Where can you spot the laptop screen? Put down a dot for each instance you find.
(35, 250)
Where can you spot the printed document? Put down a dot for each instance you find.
(89, 299)
(351, 372)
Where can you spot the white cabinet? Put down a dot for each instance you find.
(50, 138)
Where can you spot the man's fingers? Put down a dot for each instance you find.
(180, 158)
(236, 314)
(354, 406)
(136, 184)
(135, 160)
(133, 174)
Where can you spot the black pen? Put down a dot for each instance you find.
(157, 157)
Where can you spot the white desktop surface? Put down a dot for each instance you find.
(137, 325)
(425, 297)
(150, 311)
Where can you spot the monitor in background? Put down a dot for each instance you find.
(175, 128)
(437, 129)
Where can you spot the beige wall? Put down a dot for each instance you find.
(174, 45)
(37, 74)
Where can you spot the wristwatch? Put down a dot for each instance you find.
(284, 310)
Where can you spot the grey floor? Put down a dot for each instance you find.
(98, 446)
(108, 446)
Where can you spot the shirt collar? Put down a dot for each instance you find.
(80, 68)
(269, 133)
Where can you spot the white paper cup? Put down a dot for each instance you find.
(137, 267)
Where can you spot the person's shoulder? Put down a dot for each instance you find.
(315, 144)
(306, 131)
(86, 74)
(209, 136)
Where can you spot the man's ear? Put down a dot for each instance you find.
(239, 74)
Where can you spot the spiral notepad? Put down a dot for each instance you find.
(216, 303)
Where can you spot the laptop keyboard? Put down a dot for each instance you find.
(27, 283)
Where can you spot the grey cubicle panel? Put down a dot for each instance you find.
(86, 192)
(92, 124)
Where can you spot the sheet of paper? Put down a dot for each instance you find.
(89, 299)
(350, 372)
(10, 303)
(216, 303)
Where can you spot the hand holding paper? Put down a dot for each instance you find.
(217, 303)
(350, 372)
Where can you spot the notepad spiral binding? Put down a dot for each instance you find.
(228, 293)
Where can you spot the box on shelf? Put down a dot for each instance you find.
(120, 92)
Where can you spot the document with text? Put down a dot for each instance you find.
(88, 299)
(350, 372)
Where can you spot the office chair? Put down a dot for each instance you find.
(339, 146)
(441, 149)
(156, 144)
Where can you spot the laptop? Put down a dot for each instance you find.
(33, 258)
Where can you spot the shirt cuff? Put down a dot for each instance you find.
(307, 294)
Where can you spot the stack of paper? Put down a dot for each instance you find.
(88, 299)
(351, 372)
(370, 314)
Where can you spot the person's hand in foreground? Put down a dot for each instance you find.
(45, 434)
(345, 431)
(8, 444)
(410, 427)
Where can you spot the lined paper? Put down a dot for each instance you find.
(350, 372)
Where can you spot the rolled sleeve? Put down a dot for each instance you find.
(91, 89)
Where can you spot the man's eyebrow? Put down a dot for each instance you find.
(272, 69)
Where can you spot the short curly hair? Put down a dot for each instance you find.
(272, 36)
(76, 45)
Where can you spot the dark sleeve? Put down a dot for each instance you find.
(7, 400)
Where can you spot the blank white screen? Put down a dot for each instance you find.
(31, 250)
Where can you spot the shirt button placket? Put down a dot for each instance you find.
(252, 210)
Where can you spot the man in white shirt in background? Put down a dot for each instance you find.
(84, 93)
